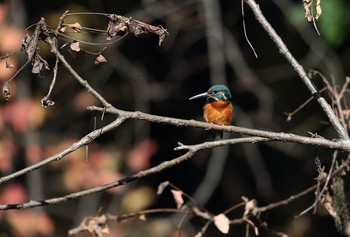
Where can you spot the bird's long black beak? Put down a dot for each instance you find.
(205, 94)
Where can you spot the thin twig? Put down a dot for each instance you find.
(325, 186)
(300, 107)
(245, 30)
(45, 101)
(294, 197)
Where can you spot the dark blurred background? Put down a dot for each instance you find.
(206, 45)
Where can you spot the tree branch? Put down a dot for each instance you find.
(298, 68)
(82, 142)
(343, 145)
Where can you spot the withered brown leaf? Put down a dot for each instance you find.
(75, 46)
(120, 25)
(76, 27)
(6, 92)
(100, 59)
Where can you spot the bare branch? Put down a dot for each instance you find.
(343, 145)
(298, 68)
(82, 142)
(341, 168)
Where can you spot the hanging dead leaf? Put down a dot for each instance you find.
(39, 65)
(328, 203)
(6, 92)
(100, 59)
(201, 213)
(116, 25)
(45, 102)
(143, 217)
(178, 198)
(199, 234)
(346, 113)
(249, 206)
(9, 65)
(120, 25)
(76, 27)
(162, 186)
(105, 230)
(62, 29)
(75, 46)
(222, 223)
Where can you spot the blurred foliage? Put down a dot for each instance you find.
(334, 22)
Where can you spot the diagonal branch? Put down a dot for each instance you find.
(192, 150)
(298, 68)
(82, 142)
(339, 170)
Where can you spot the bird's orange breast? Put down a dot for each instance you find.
(218, 112)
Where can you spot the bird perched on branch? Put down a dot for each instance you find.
(218, 107)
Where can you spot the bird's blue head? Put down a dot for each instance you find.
(215, 93)
(219, 92)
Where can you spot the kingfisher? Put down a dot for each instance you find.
(218, 107)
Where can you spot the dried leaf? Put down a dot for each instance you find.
(62, 29)
(161, 187)
(143, 217)
(256, 231)
(199, 234)
(46, 103)
(178, 198)
(346, 113)
(75, 46)
(116, 25)
(328, 203)
(249, 206)
(9, 65)
(120, 25)
(76, 27)
(6, 92)
(105, 230)
(39, 65)
(222, 223)
(100, 59)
